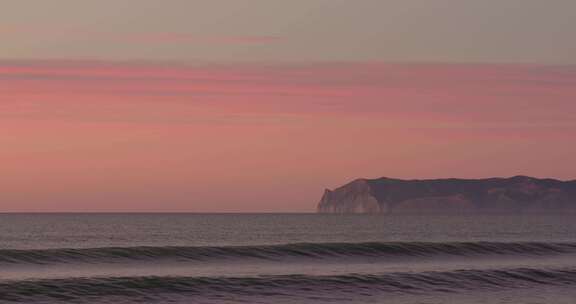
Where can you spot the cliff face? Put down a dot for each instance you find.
(356, 197)
(519, 194)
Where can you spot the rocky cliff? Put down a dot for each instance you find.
(519, 194)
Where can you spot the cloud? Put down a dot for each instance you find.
(408, 94)
(174, 38)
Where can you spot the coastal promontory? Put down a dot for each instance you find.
(519, 194)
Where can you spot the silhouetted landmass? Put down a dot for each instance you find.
(519, 194)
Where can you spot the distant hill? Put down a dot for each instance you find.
(519, 194)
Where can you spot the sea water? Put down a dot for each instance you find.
(286, 258)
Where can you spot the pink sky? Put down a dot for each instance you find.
(143, 136)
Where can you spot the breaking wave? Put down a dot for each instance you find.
(158, 288)
(316, 251)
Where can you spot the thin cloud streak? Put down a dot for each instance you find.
(175, 38)
(461, 93)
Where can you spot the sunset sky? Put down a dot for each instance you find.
(258, 105)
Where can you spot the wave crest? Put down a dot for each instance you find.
(388, 250)
(137, 288)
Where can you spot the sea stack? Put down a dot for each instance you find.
(519, 194)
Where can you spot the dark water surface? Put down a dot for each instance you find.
(273, 258)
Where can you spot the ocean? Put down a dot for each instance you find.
(286, 258)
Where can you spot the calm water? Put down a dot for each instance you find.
(272, 258)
